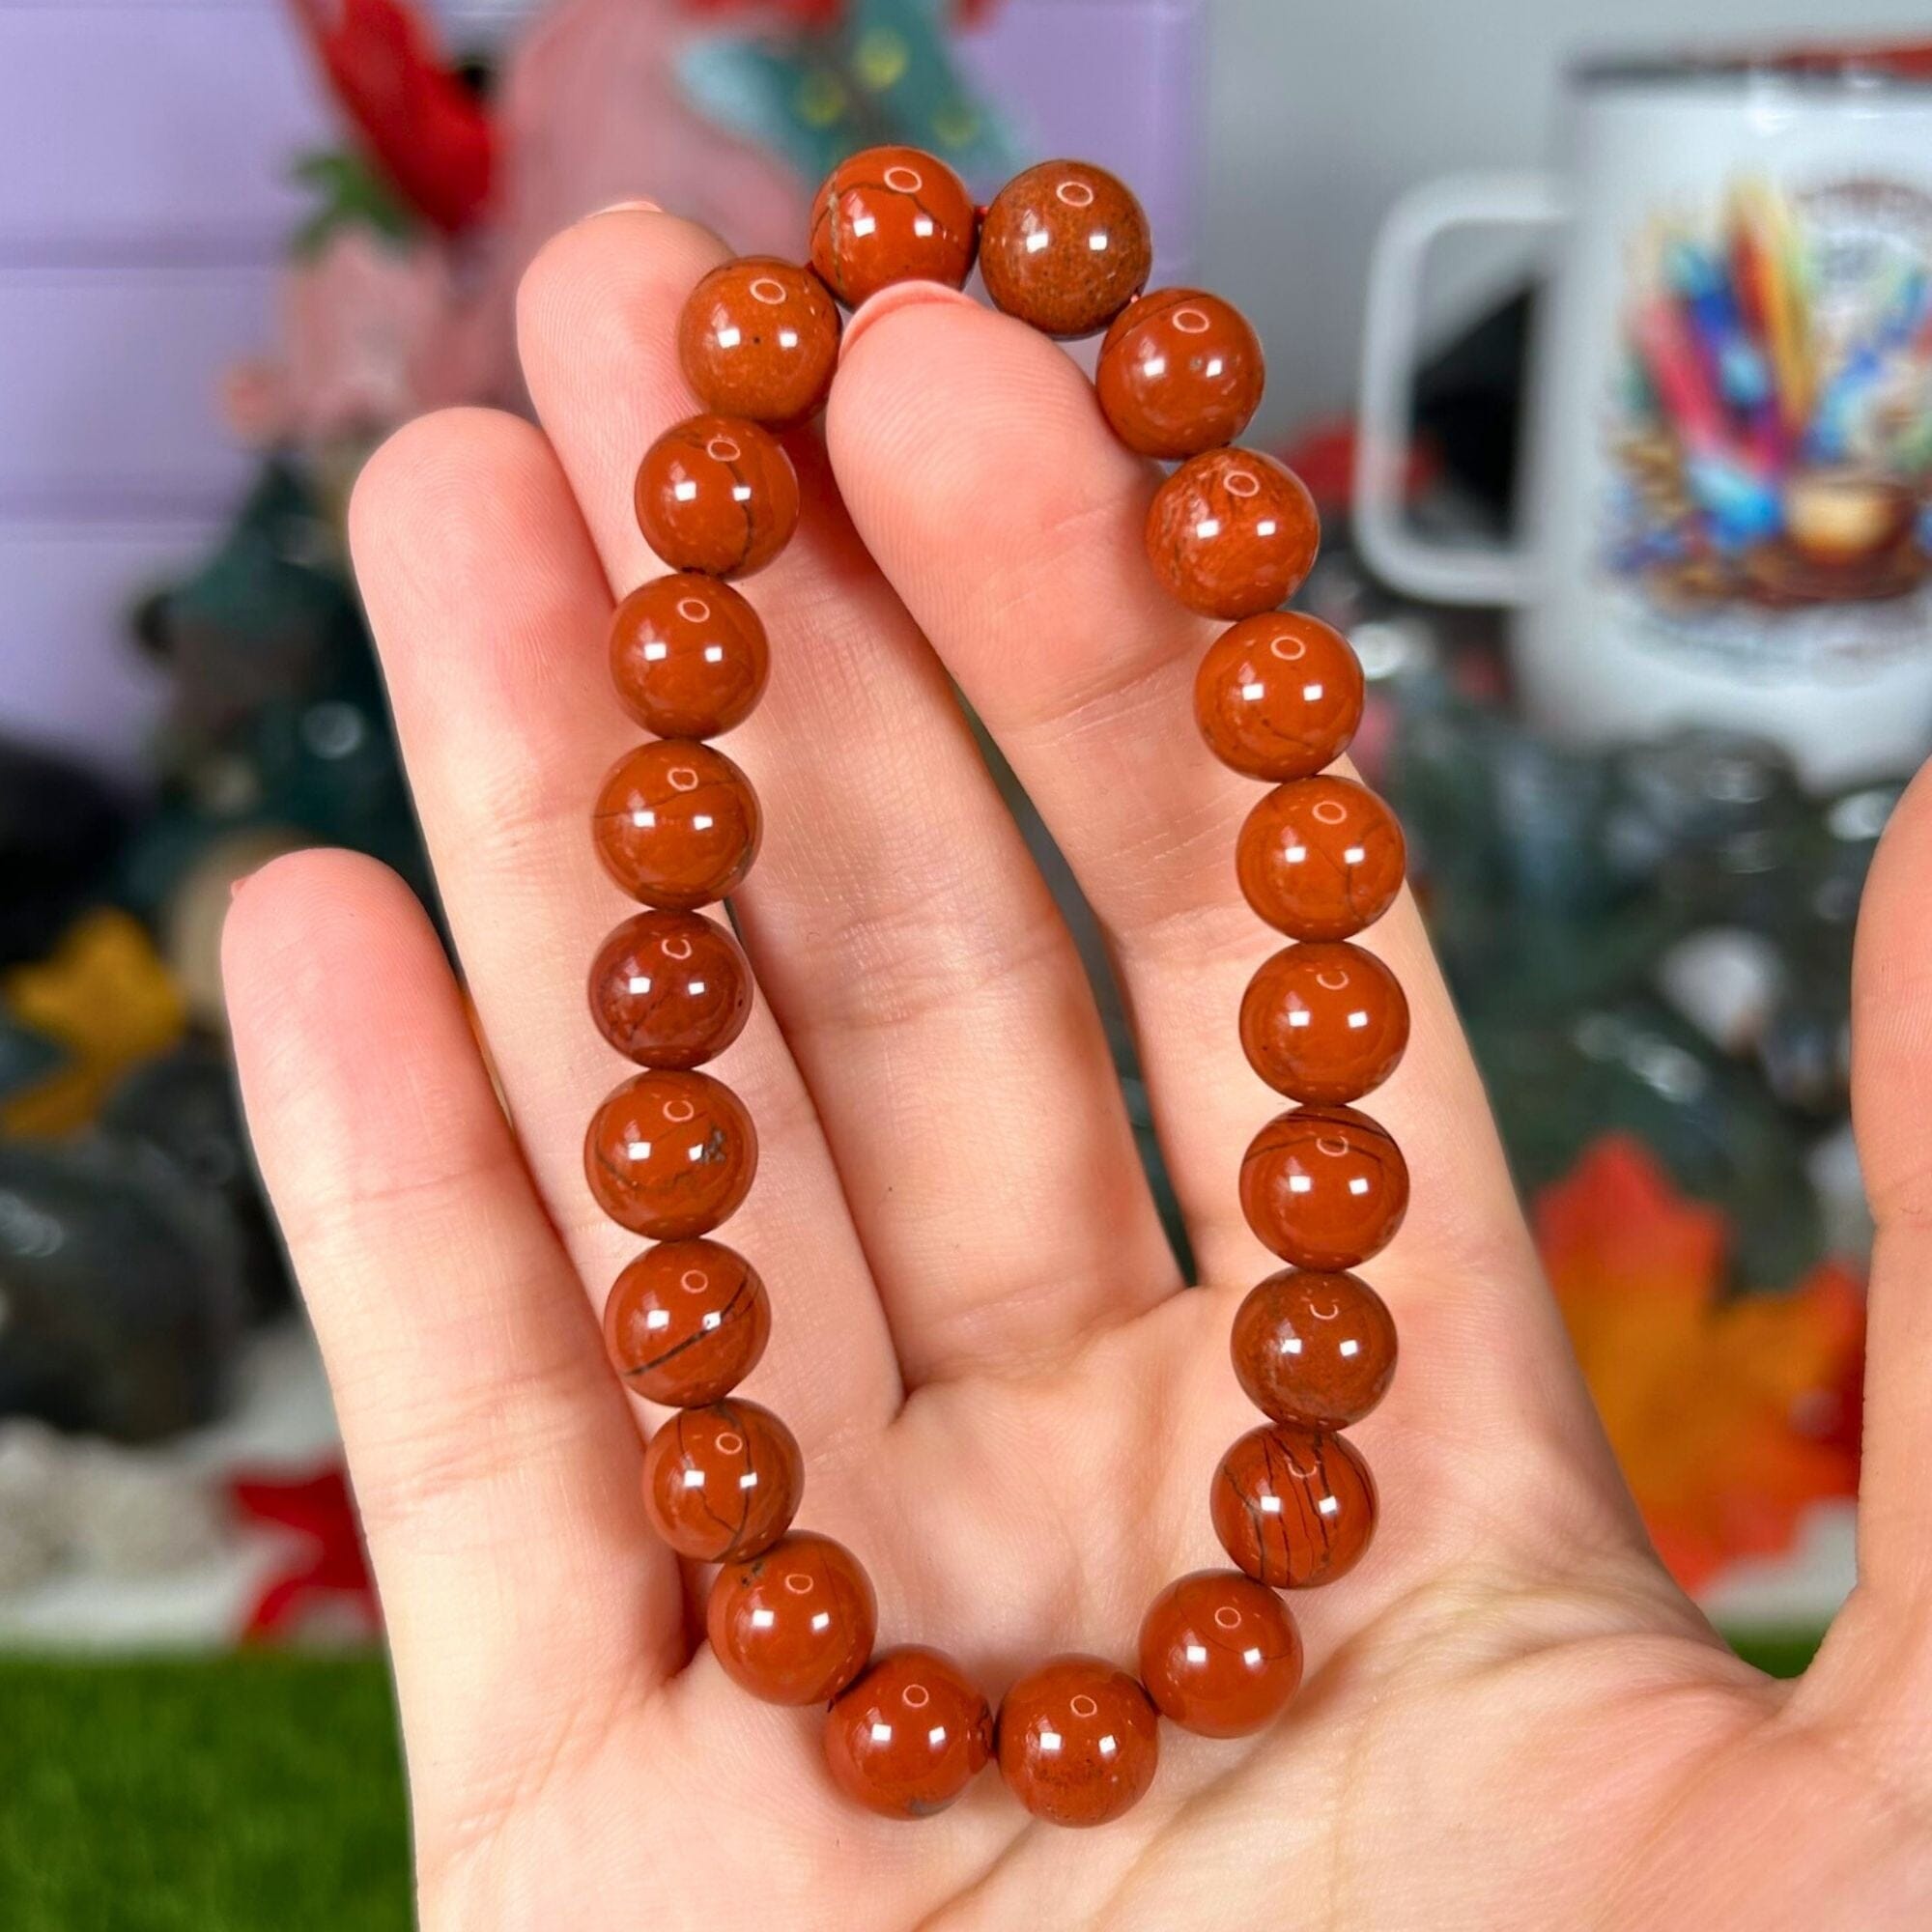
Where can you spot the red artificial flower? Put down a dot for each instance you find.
(329, 1572)
(812, 15)
(1326, 453)
(425, 129)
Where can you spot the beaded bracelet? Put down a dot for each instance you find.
(671, 1154)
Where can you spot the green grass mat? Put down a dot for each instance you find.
(1777, 1653)
(243, 1794)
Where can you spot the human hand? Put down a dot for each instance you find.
(1010, 1409)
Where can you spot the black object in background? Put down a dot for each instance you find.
(1469, 402)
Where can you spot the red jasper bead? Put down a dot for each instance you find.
(1180, 372)
(1279, 696)
(1220, 1655)
(670, 1155)
(1293, 1507)
(1064, 247)
(717, 494)
(686, 1322)
(1323, 1022)
(1324, 1187)
(670, 989)
(1321, 858)
(759, 338)
(910, 1735)
(892, 215)
(723, 1483)
(677, 824)
(688, 656)
(1079, 1742)
(1315, 1348)
(795, 1625)
(1232, 532)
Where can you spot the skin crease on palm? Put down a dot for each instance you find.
(1009, 1408)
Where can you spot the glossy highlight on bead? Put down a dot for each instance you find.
(670, 989)
(1180, 371)
(716, 494)
(677, 825)
(1295, 1508)
(1316, 1349)
(759, 338)
(1079, 1742)
(723, 1482)
(689, 656)
(1324, 1187)
(1232, 532)
(1323, 1022)
(892, 215)
(1220, 1655)
(670, 1155)
(794, 1625)
(1322, 858)
(1064, 247)
(686, 1322)
(910, 1735)
(1278, 695)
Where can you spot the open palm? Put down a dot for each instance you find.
(1009, 1405)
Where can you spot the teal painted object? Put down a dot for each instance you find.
(886, 71)
(27, 1057)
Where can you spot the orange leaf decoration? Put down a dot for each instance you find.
(1727, 1414)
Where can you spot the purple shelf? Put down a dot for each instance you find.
(110, 398)
(145, 147)
(1114, 81)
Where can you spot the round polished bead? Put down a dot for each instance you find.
(1232, 532)
(670, 1155)
(1293, 1507)
(1064, 247)
(892, 215)
(795, 1625)
(686, 1322)
(1079, 1742)
(723, 1483)
(1220, 1655)
(910, 1735)
(688, 656)
(1278, 695)
(677, 824)
(1321, 858)
(1324, 1187)
(1180, 372)
(670, 989)
(1315, 1348)
(1323, 1021)
(717, 494)
(759, 338)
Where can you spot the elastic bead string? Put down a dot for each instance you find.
(672, 1153)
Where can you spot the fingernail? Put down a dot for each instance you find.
(890, 301)
(235, 886)
(639, 205)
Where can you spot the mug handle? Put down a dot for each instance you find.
(1444, 573)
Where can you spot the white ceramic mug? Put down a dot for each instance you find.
(1728, 481)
